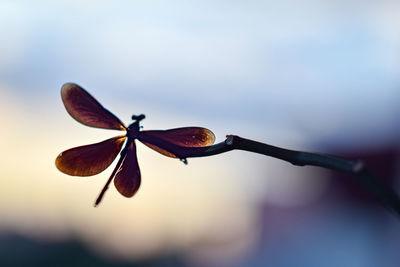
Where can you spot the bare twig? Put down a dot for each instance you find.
(382, 192)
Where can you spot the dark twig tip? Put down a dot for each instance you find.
(359, 167)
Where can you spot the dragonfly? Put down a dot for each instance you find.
(92, 159)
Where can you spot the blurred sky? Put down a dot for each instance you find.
(307, 75)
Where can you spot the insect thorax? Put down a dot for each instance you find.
(134, 128)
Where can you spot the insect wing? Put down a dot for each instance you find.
(90, 159)
(127, 180)
(185, 137)
(86, 109)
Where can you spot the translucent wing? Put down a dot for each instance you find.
(85, 109)
(90, 159)
(127, 180)
(186, 137)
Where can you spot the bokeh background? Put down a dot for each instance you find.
(308, 75)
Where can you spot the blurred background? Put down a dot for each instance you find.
(307, 75)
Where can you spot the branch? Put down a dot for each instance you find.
(382, 192)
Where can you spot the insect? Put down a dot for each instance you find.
(94, 158)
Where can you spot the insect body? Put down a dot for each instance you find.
(92, 159)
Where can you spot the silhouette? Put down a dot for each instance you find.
(92, 159)
(180, 143)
